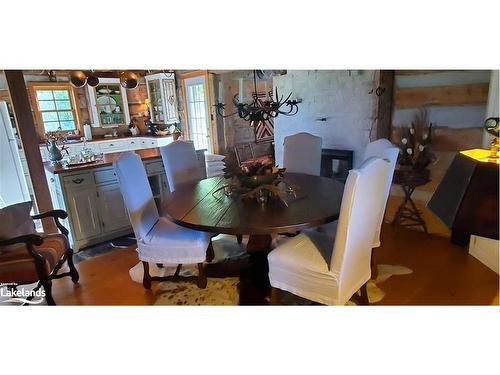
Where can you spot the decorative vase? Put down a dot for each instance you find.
(55, 154)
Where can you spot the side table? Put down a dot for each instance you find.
(408, 214)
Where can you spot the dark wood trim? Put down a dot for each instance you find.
(29, 139)
(384, 103)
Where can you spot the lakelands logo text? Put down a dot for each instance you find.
(12, 293)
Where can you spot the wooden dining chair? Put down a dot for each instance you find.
(302, 154)
(158, 239)
(331, 269)
(27, 256)
(245, 155)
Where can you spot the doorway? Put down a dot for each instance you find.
(198, 114)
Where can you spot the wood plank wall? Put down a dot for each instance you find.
(455, 101)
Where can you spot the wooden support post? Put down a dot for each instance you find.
(384, 104)
(29, 139)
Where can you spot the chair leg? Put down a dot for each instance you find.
(72, 269)
(178, 269)
(210, 252)
(146, 279)
(239, 238)
(202, 278)
(373, 265)
(47, 287)
(274, 300)
(364, 295)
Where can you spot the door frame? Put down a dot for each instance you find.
(209, 98)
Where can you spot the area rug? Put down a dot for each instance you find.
(224, 291)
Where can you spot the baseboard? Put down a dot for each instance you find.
(486, 251)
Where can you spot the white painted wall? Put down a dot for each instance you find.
(342, 99)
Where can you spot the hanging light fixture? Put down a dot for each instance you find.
(92, 79)
(78, 78)
(262, 108)
(129, 80)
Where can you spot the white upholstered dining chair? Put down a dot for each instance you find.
(181, 163)
(382, 148)
(327, 269)
(302, 154)
(181, 166)
(158, 239)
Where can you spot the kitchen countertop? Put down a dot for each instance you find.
(107, 160)
(74, 141)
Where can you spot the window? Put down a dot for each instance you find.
(55, 106)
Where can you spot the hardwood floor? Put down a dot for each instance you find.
(443, 274)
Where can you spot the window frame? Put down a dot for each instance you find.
(35, 86)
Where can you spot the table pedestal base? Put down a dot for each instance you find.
(259, 243)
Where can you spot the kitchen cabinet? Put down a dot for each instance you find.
(162, 98)
(83, 215)
(108, 103)
(92, 197)
(113, 145)
(112, 209)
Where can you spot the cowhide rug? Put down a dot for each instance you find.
(224, 291)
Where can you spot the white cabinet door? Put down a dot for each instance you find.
(171, 115)
(82, 202)
(112, 208)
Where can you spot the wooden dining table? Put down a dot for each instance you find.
(205, 207)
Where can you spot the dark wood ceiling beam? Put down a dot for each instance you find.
(29, 139)
(385, 103)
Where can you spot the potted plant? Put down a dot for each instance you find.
(415, 154)
(176, 133)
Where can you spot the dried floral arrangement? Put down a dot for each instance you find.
(415, 151)
(258, 180)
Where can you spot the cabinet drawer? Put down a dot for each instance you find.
(155, 167)
(78, 180)
(113, 146)
(105, 176)
(134, 144)
(148, 143)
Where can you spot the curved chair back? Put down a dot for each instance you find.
(358, 220)
(382, 148)
(302, 154)
(180, 162)
(136, 193)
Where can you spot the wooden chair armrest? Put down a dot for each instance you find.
(29, 240)
(32, 239)
(61, 214)
(56, 215)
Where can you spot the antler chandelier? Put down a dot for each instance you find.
(260, 109)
